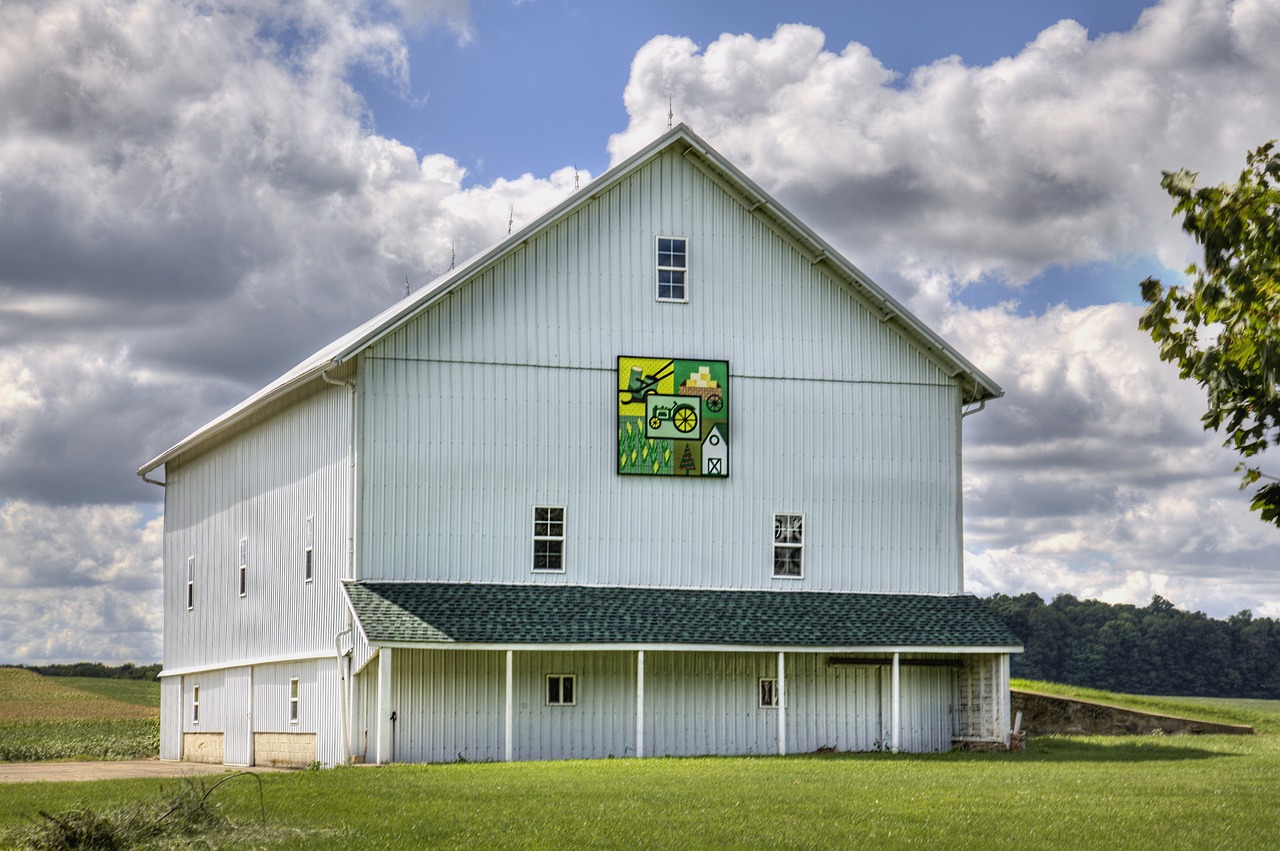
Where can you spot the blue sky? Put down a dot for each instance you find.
(540, 82)
(194, 198)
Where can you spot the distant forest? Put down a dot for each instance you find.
(127, 671)
(1156, 649)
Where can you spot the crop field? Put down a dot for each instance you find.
(44, 718)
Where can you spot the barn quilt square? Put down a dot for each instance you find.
(673, 417)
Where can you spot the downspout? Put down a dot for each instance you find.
(344, 691)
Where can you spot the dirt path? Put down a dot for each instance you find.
(40, 772)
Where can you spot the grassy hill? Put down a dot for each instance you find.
(1262, 715)
(43, 718)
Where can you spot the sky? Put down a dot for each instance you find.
(194, 197)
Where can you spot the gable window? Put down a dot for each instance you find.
(548, 539)
(195, 704)
(308, 553)
(293, 701)
(673, 266)
(769, 693)
(788, 546)
(562, 689)
(191, 582)
(244, 567)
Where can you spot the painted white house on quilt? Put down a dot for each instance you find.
(659, 474)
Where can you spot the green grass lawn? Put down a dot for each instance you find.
(1160, 792)
(1148, 792)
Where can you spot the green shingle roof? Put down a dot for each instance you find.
(435, 612)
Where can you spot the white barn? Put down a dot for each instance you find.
(468, 530)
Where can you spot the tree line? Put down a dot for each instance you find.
(1156, 649)
(127, 671)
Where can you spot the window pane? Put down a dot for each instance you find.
(788, 528)
(786, 561)
(566, 690)
(553, 689)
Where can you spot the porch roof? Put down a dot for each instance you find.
(462, 613)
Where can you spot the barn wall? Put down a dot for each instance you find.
(504, 396)
(171, 703)
(260, 486)
(450, 705)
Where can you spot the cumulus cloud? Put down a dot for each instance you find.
(1048, 157)
(191, 202)
(85, 580)
(1093, 475)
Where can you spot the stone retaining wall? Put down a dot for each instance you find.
(1043, 714)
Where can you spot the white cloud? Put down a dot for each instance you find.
(1051, 156)
(79, 583)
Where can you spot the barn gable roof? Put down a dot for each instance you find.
(436, 613)
(977, 386)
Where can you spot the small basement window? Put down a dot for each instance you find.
(562, 689)
(293, 701)
(673, 267)
(195, 704)
(768, 692)
(191, 582)
(548, 539)
(788, 546)
(308, 553)
(244, 567)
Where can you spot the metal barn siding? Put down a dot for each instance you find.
(171, 703)
(832, 706)
(213, 712)
(237, 748)
(708, 703)
(602, 721)
(448, 705)
(320, 709)
(462, 452)
(928, 696)
(503, 396)
(260, 486)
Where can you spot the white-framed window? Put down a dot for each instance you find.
(788, 546)
(673, 268)
(191, 582)
(562, 689)
(243, 561)
(294, 701)
(308, 551)
(548, 539)
(195, 704)
(768, 692)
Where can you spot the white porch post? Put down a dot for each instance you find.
(782, 705)
(385, 727)
(1003, 700)
(895, 705)
(509, 712)
(639, 703)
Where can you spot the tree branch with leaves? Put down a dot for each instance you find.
(1223, 329)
